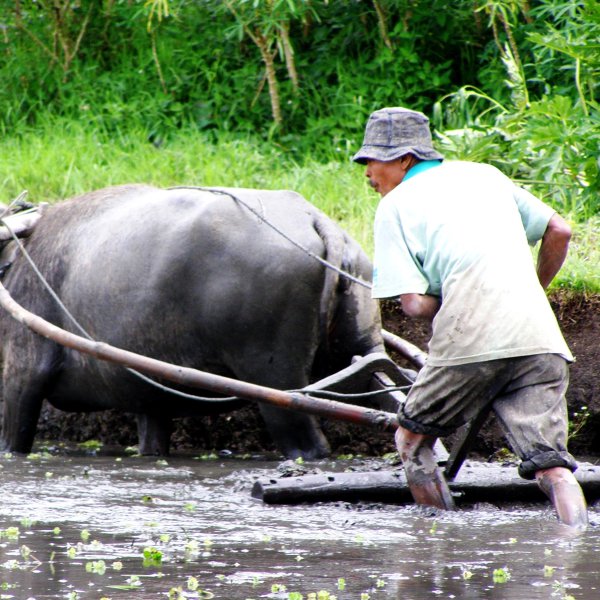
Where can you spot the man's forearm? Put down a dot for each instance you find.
(420, 305)
(553, 250)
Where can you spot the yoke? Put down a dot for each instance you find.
(19, 221)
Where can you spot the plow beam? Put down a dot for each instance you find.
(193, 378)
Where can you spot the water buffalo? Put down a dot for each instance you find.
(192, 277)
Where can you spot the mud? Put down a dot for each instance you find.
(116, 526)
(243, 432)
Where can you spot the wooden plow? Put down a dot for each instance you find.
(375, 373)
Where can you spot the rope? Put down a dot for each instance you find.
(335, 395)
(82, 330)
(279, 231)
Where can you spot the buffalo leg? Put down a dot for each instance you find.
(23, 398)
(154, 434)
(295, 434)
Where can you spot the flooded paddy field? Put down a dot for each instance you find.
(120, 526)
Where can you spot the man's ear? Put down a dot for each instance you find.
(407, 161)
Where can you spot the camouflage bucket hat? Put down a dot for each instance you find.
(394, 132)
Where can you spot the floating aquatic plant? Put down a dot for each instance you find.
(320, 595)
(549, 571)
(90, 446)
(210, 456)
(501, 575)
(96, 566)
(152, 557)
(191, 548)
(11, 533)
(132, 583)
(34, 456)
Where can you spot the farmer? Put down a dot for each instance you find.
(452, 242)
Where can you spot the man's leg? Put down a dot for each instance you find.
(533, 413)
(560, 485)
(425, 479)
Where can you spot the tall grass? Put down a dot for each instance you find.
(66, 158)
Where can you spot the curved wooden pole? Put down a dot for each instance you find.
(199, 379)
(407, 350)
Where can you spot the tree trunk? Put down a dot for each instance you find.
(382, 23)
(268, 56)
(288, 51)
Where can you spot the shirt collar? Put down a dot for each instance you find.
(420, 167)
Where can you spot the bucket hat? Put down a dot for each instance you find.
(394, 132)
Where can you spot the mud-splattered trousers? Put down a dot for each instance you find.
(526, 393)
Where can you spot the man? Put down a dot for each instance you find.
(452, 242)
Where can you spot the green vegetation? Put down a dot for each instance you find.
(275, 94)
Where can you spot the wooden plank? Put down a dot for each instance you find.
(477, 482)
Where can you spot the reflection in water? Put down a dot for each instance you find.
(130, 527)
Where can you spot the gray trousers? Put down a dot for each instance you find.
(527, 394)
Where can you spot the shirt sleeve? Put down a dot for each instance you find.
(534, 214)
(395, 271)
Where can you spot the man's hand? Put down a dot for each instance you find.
(553, 250)
(420, 305)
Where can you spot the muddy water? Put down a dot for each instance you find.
(137, 528)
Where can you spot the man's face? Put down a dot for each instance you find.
(385, 176)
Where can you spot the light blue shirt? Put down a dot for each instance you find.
(460, 231)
